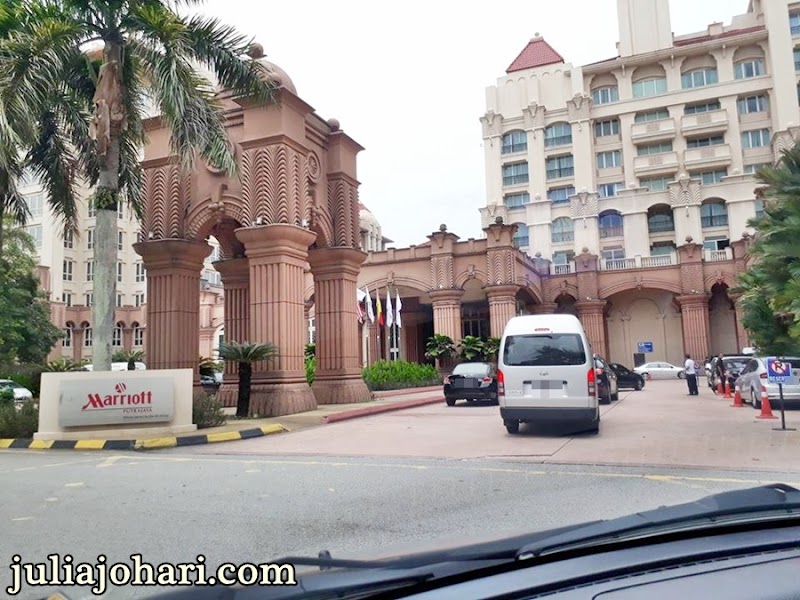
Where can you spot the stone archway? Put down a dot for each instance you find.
(292, 206)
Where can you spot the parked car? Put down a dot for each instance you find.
(211, 383)
(20, 393)
(627, 379)
(660, 370)
(471, 381)
(118, 366)
(753, 381)
(732, 366)
(607, 386)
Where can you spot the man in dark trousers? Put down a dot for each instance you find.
(691, 376)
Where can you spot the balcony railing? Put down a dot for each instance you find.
(639, 262)
(562, 269)
(718, 255)
(656, 163)
(719, 155)
(654, 130)
(715, 121)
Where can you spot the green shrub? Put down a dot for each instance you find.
(311, 369)
(18, 423)
(399, 374)
(207, 411)
(6, 396)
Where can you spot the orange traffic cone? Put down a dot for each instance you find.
(727, 389)
(766, 408)
(720, 390)
(737, 398)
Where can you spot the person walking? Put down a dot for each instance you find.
(691, 376)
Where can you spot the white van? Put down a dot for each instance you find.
(546, 373)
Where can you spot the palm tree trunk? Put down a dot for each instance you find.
(109, 92)
(243, 400)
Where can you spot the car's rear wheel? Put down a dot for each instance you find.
(512, 426)
(639, 385)
(756, 401)
(451, 402)
(681, 375)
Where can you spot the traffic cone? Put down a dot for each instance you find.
(737, 398)
(719, 390)
(766, 408)
(727, 389)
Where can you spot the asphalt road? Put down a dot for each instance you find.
(174, 506)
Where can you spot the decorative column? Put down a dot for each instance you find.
(742, 337)
(77, 343)
(127, 339)
(592, 317)
(173, 269)
(502, 307)
(338, 378)
(545, 308)
(277, 257)
(447, 312)
(235, 274)
(694, 318)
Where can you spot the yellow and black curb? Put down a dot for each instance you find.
(144, 444)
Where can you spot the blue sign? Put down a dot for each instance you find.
(778, 371)
(646, 347)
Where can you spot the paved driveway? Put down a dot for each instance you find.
(659, 426)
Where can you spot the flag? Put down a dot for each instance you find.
(359, 299)
(368, 300)
(398, 305)
(389, 312)
(380, 309)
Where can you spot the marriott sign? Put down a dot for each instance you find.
(112, 401)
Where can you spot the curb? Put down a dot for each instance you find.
(145, 444)
(405, 391)
(383, 408)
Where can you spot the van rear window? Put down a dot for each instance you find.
(544, 350)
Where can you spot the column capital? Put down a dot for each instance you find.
(336, 259)
(501, 291)
(693, 299)
(446, 296)
(276, 239)
(233, 270)
(589, 307)
(172, 253)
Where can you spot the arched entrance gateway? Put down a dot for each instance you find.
(293, 206)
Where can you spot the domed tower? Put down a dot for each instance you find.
(372, 239)
(277, 75)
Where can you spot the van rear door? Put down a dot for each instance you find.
(546, 369)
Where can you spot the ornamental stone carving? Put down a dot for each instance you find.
(579, 107)
(533, 115)
(166, 201)
(442, 277)
(273, 187)
(492, 124)
(584, 204)
(684, 192)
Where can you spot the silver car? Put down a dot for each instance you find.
(753, 382)
(20, 393)
(660, 370)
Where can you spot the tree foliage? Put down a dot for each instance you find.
(27, 334)
(771, 287)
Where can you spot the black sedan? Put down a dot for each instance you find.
(626, 378)
(471, 381)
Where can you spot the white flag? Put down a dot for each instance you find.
(397, 307)
(389, 311)
(359, 298)
(368, 300)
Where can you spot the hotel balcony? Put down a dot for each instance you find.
(708, 156)
(718, 255)
(639, 262)
(713, 122)
(653, 131)
(655, 164)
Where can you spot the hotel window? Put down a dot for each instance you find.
(514, 141)
(662, 248)
(88, 299)
(91, 211)
(611, 225)
(751, 104)
(702, 107)
(35, 231)
(35, 204)
(138, 299)
(560, 195)
(759, 206)
(605, 95)
(140, 275)
(120, 240)
(116, 337)
(521, 236)
(752, 169)
(604, 128)
(607, 160)
(794, 23)
(709, 177)
(119, 272)
(69, 240)
(66, 341)
(716, 140)
(89, 270)
(90, 239)
(515, 174)
(120, 211)
(699, 78)
(138, 336)
(716, 243)
(613, 253)
(713, 214)
(558, 134)
(609, 190)
(563, 257)
(657, 148)
(749, 68)
(651, 115)
(655, 184)
(755, 138)
(66, 298)
(562, 230)
(560, 166)
(87, 337)
(66, 270)
(660, 220)
(650, 87)
(120, 300)
(516, 200)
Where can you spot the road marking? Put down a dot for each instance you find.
(51, 499)
(109, 462)
(23, 519)
(75, 484)
(253, 471)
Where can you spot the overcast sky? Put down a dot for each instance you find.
(407, 79)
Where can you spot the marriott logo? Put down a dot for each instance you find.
(121, 399)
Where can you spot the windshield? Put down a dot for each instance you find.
(544, 350)
(735, 365)
(473, 369)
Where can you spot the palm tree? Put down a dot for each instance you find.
(245, 354)
(150, 54)
(129, 356)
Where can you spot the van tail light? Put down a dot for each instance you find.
(501, 384)
(763, 376)
(591, 380)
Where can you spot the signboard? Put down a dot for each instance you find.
(778, 371)
(112, 401)
(645, 347)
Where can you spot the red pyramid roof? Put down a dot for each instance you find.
(536, 54)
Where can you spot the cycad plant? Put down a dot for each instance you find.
(244, 355)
